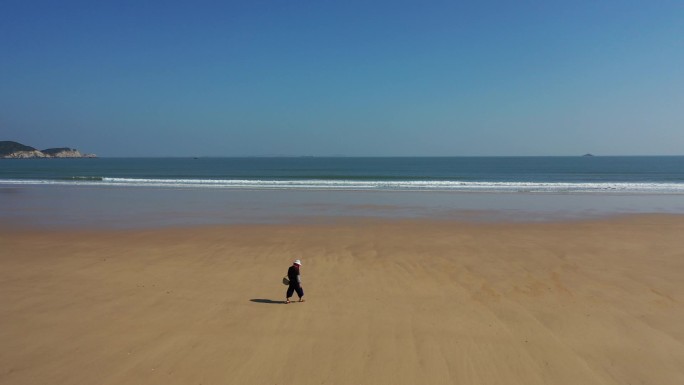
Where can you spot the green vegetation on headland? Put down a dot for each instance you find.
(14, 150)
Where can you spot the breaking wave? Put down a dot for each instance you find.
(370, 185)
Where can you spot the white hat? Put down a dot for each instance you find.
(298, 262)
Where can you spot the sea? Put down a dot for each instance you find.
(153, 192)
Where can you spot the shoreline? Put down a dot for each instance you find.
(465, 219)
(86, 207)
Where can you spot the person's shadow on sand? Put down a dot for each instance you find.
(261, 300)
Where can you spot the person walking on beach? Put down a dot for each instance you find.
(295, 282)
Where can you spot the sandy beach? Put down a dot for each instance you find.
(388, 302)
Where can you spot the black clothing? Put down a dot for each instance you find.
(293, 275)
(295, 284)
(292, 288)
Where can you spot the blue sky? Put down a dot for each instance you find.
(356, 78)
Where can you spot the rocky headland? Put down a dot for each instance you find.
(14, 150)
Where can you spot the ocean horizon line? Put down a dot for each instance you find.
(372, 156)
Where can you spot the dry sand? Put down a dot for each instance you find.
(413, 302)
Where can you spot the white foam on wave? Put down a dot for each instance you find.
(352, 185)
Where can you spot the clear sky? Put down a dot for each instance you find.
(356, 78)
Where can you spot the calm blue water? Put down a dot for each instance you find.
(490, 174)
(153, 192)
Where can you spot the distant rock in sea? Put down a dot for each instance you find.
(65, 152)
(14, 150)
(588, 155)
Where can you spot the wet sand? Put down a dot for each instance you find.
(388, 302)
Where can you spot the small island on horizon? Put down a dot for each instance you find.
(15, 150)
